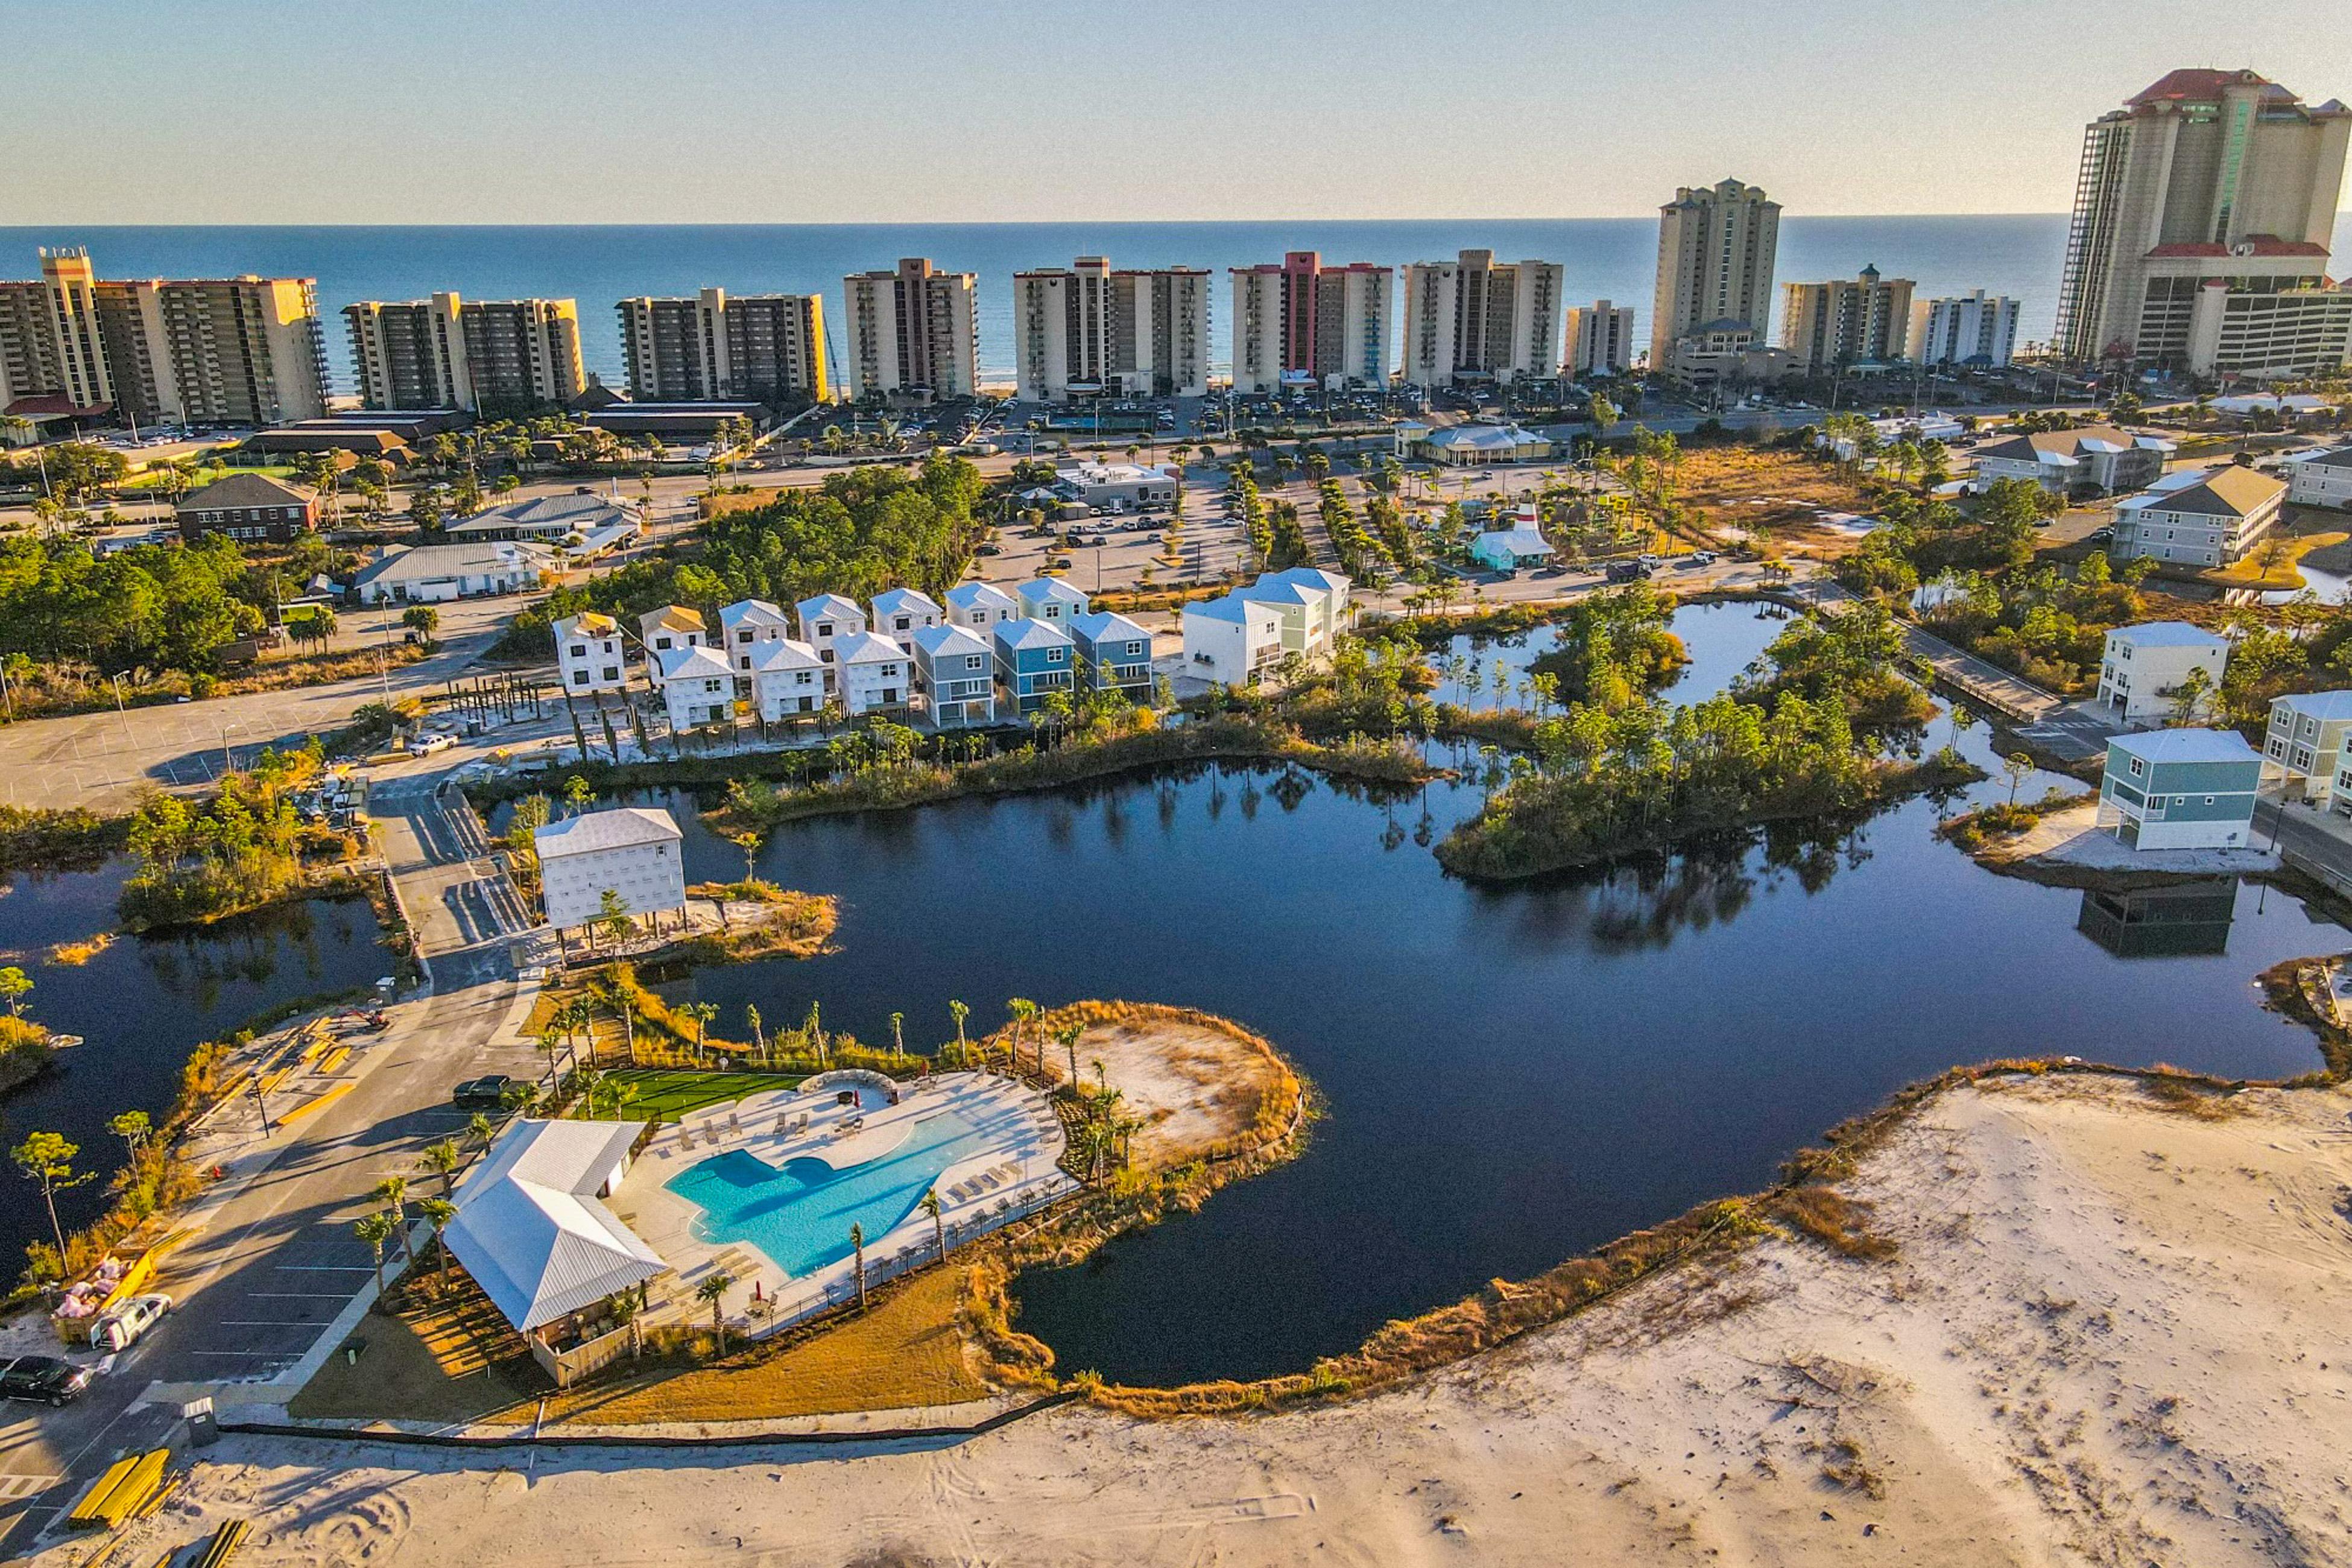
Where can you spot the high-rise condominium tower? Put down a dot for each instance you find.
(2203, 208)
(712, 347)
(1087, 329)
(1475, 317)
(1312, 323)
(1846, 320)
(475, 354)
(1599, 339)
(1715, 252)
(913, 331)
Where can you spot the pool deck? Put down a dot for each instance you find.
(1015, 1174)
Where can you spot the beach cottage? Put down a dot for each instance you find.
(697, 685)
(825, 620)
(876, 674)
(955, 669)
(900, 613)
(2180, 789)
(787, 681)
(1230, 640)
(1034, 659)
(745, 627)
(2304, 740)
(588, 651)
(1113, 654)
(1051, 600)
(2145, 666)
(980, 605)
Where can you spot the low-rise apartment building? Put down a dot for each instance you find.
(2143, 668)
(2207, 518)
(2304, 743)
(2180, 789)
(249, 508)
(2098, 458)
(2320, 479)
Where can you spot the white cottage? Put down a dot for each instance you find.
(2145, 666)
(977, 606)
(745, 627)
(1051, 600)
(875, 674)
(825, 621)
(588, 651)
(900, 613)
(697, 685)
(788, 679)
(634, 851)
(1230, 640)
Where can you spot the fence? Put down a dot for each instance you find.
(582, 1360)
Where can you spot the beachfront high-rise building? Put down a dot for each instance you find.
(1086, 330)
(2203, 211)
(1865, 319)
(711, 348)
(1479, 319)
(912, 331)
(1965, 330)
(221, 351)
(478, 355)
(1600, 341)
(1716, 246)
(1311, 324)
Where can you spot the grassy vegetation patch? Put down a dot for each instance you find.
(666, 1094)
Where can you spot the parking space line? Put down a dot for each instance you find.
(265, 1323)
(246, 1355)
(324, 1269)
(297, 1296)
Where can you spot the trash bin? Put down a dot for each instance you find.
(203, 1430)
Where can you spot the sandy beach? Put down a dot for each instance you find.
(2110, 1333)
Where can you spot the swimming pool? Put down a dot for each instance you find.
(800, 1214)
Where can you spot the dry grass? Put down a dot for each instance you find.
(74, 954)
(1836, 1221)
(2270, 566)
(1778, 493)
(2187, 1097)
(907, 1351)
(451, 1359)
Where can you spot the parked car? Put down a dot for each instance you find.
(1652, 561)
(127, 1324)
(489, 1093)
(2100, 536)
(1703, 558)
(426, 745)
(1626, 571)
(992, 549)
(45, 1379)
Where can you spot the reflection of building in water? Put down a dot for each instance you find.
(2170, 921)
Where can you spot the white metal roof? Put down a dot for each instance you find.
(2186, 746)
(936, 640)
(758, 611)
(971, 595)
(617, 828)
(531, 1230)
(890, 600)
(2166, 633)
(828, 606)
(701, 660)
(784, 653)
(865, 648)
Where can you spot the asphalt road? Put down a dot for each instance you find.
(276, 1262)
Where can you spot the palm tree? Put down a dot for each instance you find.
(375, 1229)
(930, 1205)
(961, 1012)
(441, 1159)
(392, 1193)
(898, 1034)
(713, 1290)
(857, 1245)
(481, 1128)
(702, 1012)
(1024, 1010)
(438, 1212)
(752, 1017)
(1068, 1035)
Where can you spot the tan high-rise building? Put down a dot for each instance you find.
(1476, 317)
(1087, 329)
(51, 343)
(1717, 246)
(1846, 322)
(2207, 177)
(1316, 325)
(913, 331)
(710, 348)
(448, 352)
(1600, 341)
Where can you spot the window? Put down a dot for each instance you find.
(579, 678)
(2135, 766)
(579, 650)
(1053, 656)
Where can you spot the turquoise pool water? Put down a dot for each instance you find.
(800, 1216)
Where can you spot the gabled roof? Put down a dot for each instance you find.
(587, 624)
(2167, 634)
(784, 653)
(532, 1232)
(1313, 576)
(1108, 626)
(828, 606)
(1266, 591)
(2186, 746)
(1235, 608)
(890, 600)
(972, 595)
(1486, 437)
(2327, 457)
(2325, 706)
(701, 660)
(242, 489)
(2226, 491)
(2059, 448)
(1017, 636)
(671, 618)
(1051, 588)
(758, 611)
(414, 563)
(865, 648)
(934, 641)
(1517, 541)
(572, 510)
(617, 828)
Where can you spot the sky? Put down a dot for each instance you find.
(454, 111)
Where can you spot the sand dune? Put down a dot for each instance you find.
(2112, 1334)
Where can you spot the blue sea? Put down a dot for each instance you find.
(1613, 258)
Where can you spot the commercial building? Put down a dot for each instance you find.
(1086, 331)
(914, 333)
(1122, 485)
(1827, 326)
(480, 356)
(2199, 518)
(1509, 549)
(248, 508)
(709, 348)
(2180, 789)
(2320, 479)
(2144, 667)
(2304, 741)
(588, 653)
(1967, 329)
(1460, 445)
(1302, 324)
(550, 520)
(434, 573)
(2215, 181)
(636, 852)
(1717, 246)
(1475, 317)
(2100, 458)
(1600, 341)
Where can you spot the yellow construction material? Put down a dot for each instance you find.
(325, 1099)
(84, 1512)
(224, 1545)
(131, 1488)
(333, 1059)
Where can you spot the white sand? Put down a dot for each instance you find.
(2071, 839)
(2114, 1334)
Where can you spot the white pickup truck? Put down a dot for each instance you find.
(124, 1326)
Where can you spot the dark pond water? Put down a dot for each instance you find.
(142, 1006)
(1511, 1076)
(1721, 639)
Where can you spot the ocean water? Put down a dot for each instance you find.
(1611, 259)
